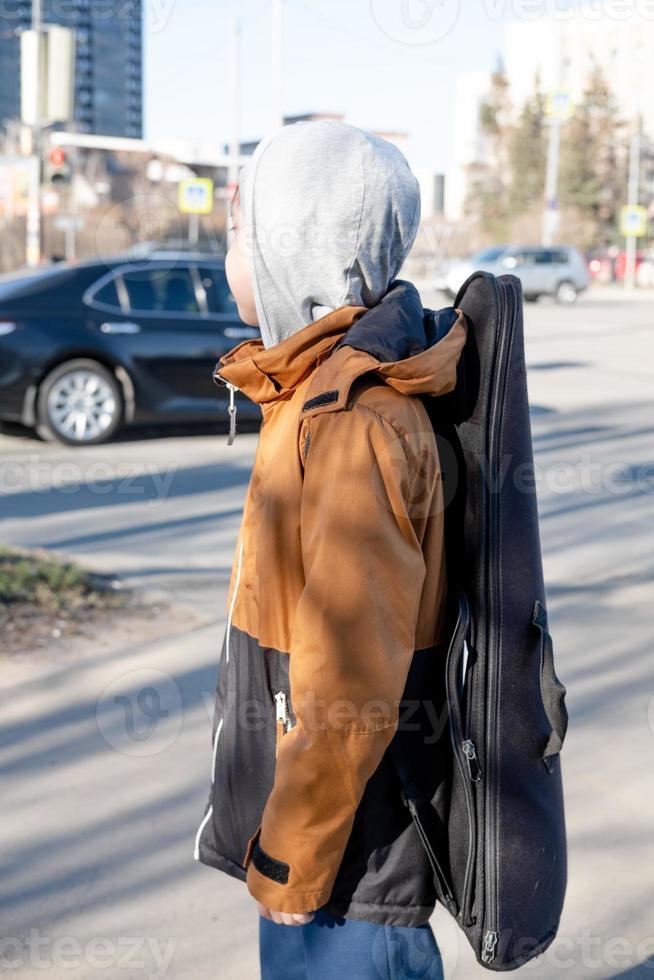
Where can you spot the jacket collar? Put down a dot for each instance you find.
(265, 374)
(413, 350)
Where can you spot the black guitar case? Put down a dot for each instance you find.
(505, 829)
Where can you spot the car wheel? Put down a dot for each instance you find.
(79, 403)
(566, 293)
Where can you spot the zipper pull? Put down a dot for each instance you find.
(474, 768)
(231, 408)
(490, 943)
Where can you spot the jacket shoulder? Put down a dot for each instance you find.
(406, 413)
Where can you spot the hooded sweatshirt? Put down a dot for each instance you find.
(331, 213)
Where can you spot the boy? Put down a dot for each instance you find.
(338, 600)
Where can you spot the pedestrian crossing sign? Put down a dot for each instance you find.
(633, 221)
(196, 195)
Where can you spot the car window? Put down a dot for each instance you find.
(560, 257)
(160, 290)
(530, 256)
(219, 297)
(488, 254)
(108, 295)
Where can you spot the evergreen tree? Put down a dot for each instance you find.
(593, 168)
(490, 177)
(527, 152)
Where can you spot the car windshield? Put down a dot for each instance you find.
(488, 254)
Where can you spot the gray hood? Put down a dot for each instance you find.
(330, 213)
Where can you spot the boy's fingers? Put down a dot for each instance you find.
(284, 918)
(296, 918)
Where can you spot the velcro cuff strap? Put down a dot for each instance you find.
(268, 866)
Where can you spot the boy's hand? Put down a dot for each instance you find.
(285, 918)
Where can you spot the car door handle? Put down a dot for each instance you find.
(125, 326)
(241, 332)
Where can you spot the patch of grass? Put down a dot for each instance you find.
(38, 580)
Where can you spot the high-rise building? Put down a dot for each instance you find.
(108, 61)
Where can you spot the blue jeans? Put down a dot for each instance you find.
(339, 949)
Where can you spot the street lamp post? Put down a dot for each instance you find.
(631, 240)
(33, 229)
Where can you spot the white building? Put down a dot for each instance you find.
(563, 52)
(471, 88)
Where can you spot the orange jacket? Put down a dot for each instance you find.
(339, 578)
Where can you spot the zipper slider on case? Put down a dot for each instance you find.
(474, 768)
(490, 943)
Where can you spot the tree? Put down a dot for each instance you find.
(527, 152)
(490, 178)
(593, 168)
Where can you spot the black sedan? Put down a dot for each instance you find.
(87, 347)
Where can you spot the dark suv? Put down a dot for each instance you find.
(87, 347)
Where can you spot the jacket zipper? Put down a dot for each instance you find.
(463, 747)
(446, 891)
(492, 579)
(282, 715)
(231, 408)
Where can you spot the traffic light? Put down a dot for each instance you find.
(57, 166)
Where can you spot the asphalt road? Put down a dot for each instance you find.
(97, 877)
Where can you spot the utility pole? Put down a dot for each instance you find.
(551, 212)
(33, 230)
(277, 63)
(558, 110)
(234, 98)
(632, 199)
(234, 93)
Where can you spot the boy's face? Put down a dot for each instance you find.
(237, 269)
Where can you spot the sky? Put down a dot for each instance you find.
(358, 57)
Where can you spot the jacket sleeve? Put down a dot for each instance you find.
(352, 643)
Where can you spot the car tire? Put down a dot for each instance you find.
(79, 403)
(566, 293)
